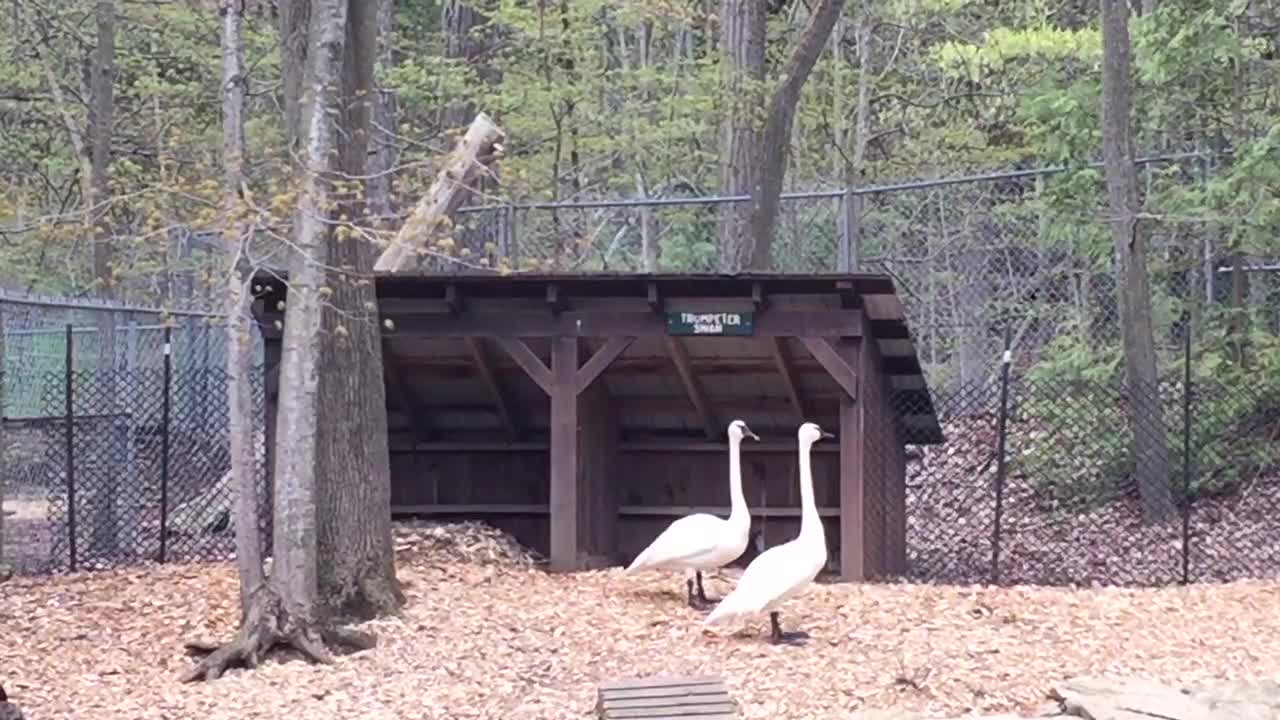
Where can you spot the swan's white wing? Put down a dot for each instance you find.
(776, 573)
(684, 540)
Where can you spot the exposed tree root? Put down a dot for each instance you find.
(269, 626)
(372, 595)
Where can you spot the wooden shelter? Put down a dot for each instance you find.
(584, 412)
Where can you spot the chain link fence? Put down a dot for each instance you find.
(1039, 479)
(1049, 489)
(965, 253)
(115, 446)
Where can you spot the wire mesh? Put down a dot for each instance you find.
(1024, 254)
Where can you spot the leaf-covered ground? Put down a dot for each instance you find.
(503, 639)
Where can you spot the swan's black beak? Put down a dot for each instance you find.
(747, 431)
(826, 435)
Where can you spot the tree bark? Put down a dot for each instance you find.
(742, 80)
(236, 238)
(284, 609)
(357, 565)
(480, 147)
(458, 20)
(385, 151)
(297, 459)
(1151, 443)
(753, 159)
(295, 20)
(106, 518)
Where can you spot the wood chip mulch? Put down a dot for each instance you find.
(488, 634)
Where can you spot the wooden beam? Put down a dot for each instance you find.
(606, 323)
(612, 348)
(680, 510)
(528, 361)
(402, 448)
(564, 454)
(689, 446)
(635, 446)
(758, 297)
(656, 301)
(848, 293)
(901, 365)
(890, 329)
(469, 509)
(406, 396)
(692, 388)
(783, 363)
(838, 368)
(555, 300)
(453, 299)
(485, 370)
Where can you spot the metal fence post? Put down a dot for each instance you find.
(1001, 432)
(1186, 454)
(69, 381)
(164, 442)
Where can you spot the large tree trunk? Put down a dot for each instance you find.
(458, 21)
(236, 238)
(742, 80)
(284, 610)
(295, 21)
(1130, 237)
(106, 495)
(357, 565)
(753, 159)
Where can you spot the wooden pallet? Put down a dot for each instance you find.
(665, 698)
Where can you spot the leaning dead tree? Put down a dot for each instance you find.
(480, 147)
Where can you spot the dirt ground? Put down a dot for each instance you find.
(500, 640)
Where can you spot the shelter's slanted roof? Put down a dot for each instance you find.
(739, 376)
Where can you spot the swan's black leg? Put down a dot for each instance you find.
(776, 636)
(697, 601)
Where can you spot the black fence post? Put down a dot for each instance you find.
(1001, 432)
(69, 381)
(164, 442)
(1186, 455)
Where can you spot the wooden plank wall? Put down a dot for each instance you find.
(597, 490)
(884, 464)
(520, 477)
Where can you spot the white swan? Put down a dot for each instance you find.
(703, 541)
(782, 570)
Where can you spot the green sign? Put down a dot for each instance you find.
(709, 323)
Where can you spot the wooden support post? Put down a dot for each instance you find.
(485, 369)
(565, 382)
(852, 482)
(692, 387)
(564, 454)
(599, 496)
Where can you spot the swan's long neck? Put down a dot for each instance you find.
(810, 523)
(737, 501)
